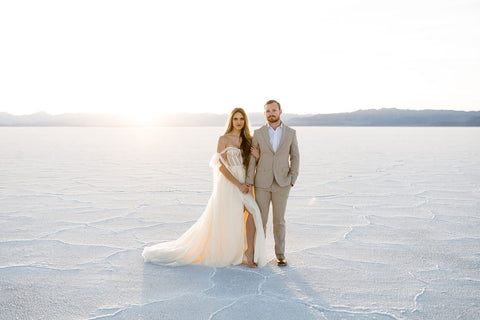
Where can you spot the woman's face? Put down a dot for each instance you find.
(238, 121)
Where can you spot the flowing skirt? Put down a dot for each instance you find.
(218, 237)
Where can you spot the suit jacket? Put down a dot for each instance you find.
(283, 164)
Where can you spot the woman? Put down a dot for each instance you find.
(219, 237)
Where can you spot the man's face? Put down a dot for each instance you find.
(272, 112)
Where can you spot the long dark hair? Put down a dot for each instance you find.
(244, 134)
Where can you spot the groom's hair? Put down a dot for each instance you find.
(273, 101)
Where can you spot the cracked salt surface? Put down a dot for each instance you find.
(384, 223)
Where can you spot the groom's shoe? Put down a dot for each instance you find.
(281, 262)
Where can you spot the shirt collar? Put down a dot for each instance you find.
(280, 126)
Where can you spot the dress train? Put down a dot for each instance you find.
(217, 238)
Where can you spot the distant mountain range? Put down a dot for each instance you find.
(393, 117)
(373, 117)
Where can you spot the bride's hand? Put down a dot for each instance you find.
(255, 152)
(244, 188)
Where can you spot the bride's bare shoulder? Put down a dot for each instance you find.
(222, 143)
(223, 139)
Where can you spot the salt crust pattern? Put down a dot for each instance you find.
(383, 223)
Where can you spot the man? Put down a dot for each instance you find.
(276, 172)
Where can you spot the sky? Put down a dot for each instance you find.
(145, 58)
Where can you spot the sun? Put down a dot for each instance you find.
(143, 117)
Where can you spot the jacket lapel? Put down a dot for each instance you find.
(266, 137)
(284, 136)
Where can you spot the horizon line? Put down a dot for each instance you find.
(226, 113)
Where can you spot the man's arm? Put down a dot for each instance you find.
(294, 159)
(252, 164)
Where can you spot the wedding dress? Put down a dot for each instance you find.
(218, 237)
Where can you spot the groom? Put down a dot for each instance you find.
(276, 172)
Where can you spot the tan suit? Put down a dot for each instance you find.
(274, 174)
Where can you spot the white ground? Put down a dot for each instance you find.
(384, 223)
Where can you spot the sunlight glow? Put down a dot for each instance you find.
(143, 117)
(145, 58)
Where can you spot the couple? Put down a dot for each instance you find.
(231, 229)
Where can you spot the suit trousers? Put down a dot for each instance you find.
(277, 196)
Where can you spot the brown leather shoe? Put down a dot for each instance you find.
(281, 262)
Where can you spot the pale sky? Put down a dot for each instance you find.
(142, 58)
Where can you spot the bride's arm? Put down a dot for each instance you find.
(222, 144)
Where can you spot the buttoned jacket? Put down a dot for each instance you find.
(282, 165)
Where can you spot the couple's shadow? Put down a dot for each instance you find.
(204, 291)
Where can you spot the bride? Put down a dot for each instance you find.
(230, 230)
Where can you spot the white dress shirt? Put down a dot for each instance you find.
(275, 136)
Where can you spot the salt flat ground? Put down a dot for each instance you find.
(384, 223)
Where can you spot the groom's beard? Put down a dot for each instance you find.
(273, 119)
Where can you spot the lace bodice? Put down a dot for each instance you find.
(233, 156)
